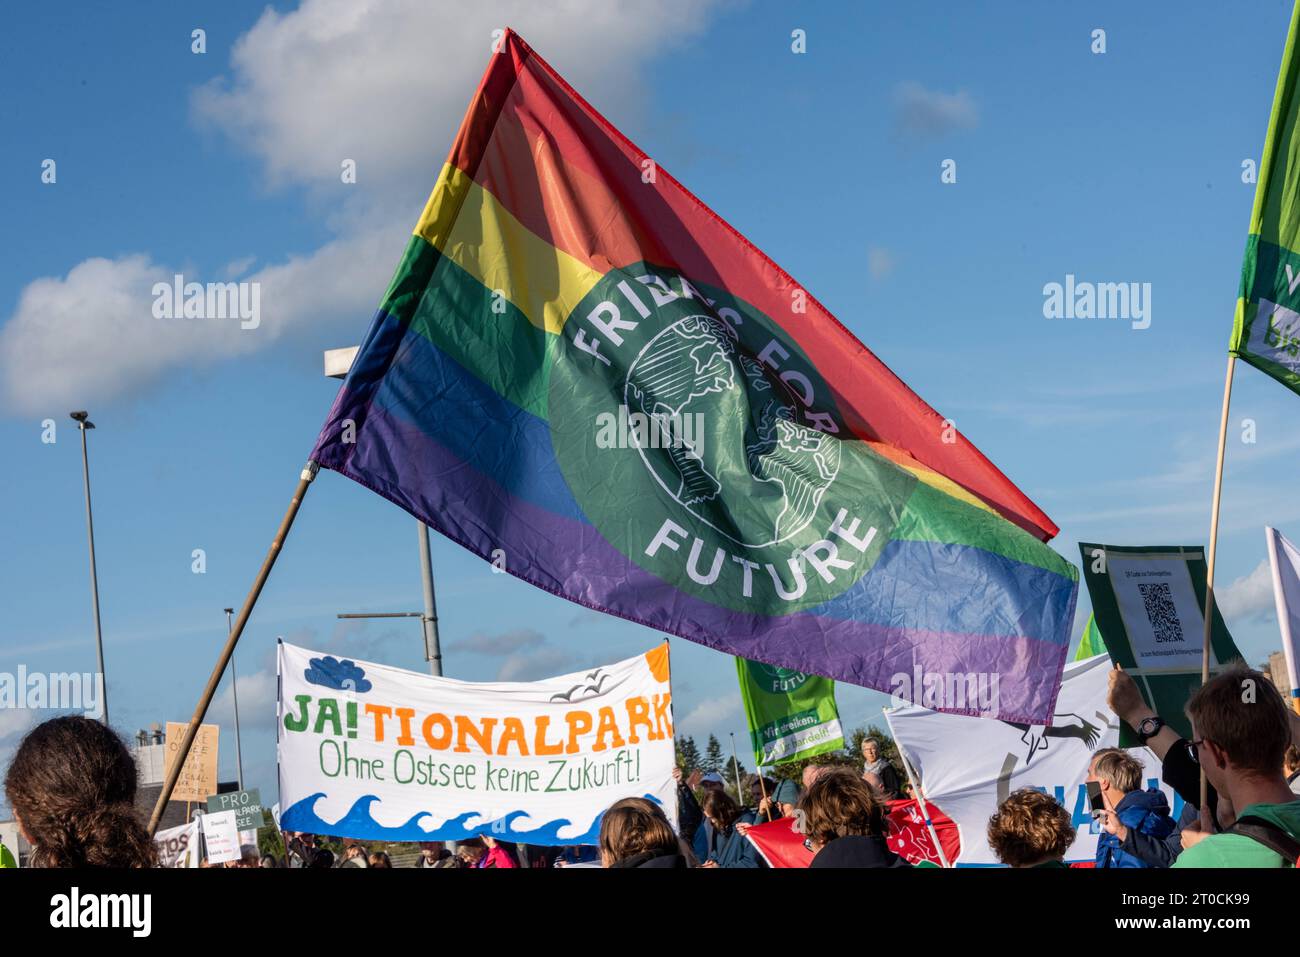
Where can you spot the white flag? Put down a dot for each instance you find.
(1285, 560)
(967, 766)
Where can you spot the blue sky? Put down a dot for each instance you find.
(1115, 167)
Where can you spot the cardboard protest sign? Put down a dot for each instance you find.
(1149, 606)
(199, 775)
(378, 753)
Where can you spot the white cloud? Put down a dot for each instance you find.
(386, 82)
(78, 339)
(880, 262)
(504, 643)
(256, 703)
(709, 714)
(92, 333)
(928, 113)
(237, 267)
(1249, 597)
(546, 662)
(382, 82)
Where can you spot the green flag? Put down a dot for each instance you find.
(791, 715)
(1266, 330)
(1090, 643)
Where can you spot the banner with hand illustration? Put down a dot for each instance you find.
(372, 752)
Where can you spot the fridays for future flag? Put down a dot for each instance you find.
(585, 376)
(1266, 330)
(383, 754)
(1284, 559)
(791, 715)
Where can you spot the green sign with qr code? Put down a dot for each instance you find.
(1149, 604)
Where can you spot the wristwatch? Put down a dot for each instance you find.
(1148, 728)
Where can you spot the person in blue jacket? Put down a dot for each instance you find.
(703, 835)
(727, 847)
(1129, 809)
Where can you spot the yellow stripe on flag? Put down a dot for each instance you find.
(473, 229)
(945, 484)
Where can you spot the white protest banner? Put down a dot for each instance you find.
(967, 765)
(378, 753)
(178, 846)
(1284, 560)
(221, 837)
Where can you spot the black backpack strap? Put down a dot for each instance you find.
(1270, 835)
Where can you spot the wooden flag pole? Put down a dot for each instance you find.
(918, 794)
(1214, 541)
(174, 773)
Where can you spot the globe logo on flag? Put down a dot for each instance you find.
(692, 368)
(774, 679)
(704, 445)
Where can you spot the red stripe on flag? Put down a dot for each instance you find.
(583, 192)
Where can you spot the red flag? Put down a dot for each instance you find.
(781, 843)
(911, 840)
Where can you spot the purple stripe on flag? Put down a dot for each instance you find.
(580, 565)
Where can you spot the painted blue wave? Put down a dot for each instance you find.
(359, 823)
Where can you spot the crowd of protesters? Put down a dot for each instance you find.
(72, 787)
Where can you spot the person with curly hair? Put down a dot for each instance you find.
(71, 786)
(1030, 829)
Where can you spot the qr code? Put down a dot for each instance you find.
(1161, 612)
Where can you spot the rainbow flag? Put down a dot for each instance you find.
(584, 375)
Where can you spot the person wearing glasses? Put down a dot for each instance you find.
(1241, 731)
(1182, 759)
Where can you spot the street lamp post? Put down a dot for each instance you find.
(338, 362)
(83, 423)
(432, 649)
(234, 694)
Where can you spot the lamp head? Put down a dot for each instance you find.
(83, 419)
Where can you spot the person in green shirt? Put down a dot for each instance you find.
(1240, 733)
(6, 858)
